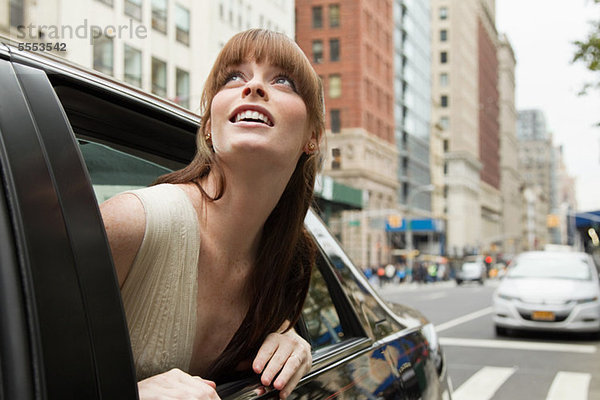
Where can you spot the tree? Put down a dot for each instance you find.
(588, 52)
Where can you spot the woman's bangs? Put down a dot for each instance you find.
(271, 47)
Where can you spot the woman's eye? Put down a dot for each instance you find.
(284, 80)
(234, 77)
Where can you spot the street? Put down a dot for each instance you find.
(483, 366)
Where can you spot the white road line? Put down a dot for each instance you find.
(463, 319)
(483, 384)
(519, 345)
(569, 385)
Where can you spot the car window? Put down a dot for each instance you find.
(319, 313)
(113, 171)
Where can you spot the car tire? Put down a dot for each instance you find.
(458, 282)
(501, 331)
(481, 281)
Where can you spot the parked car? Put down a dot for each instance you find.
(70, 138)
(549, 291)
(471, 271)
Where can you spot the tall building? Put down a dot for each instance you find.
(412, 98)
(532, 125)
(413, 127)
(465, 72)
(489, 130)
(350, 45)
(537, 162)
(510, 177)
(166, 47)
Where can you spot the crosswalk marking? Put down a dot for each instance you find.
(519, 345)
(483, 384)
(569, 385)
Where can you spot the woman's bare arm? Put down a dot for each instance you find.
(125, 224)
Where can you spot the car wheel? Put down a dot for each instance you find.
(458, 282)
(501, 331)
(481, 281)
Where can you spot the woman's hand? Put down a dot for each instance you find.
(177, 385)
(287, 354)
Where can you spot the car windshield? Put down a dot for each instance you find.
(552, 268)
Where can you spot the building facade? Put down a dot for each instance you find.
(537, 162)
(349, 43)
(510, 177)
(417, 139)
(165, 47)
(455, 99)
(489, 130)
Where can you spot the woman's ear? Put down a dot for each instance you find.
(313, 143)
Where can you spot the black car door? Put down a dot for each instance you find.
(63, 333)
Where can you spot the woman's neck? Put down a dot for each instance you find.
(234, 223)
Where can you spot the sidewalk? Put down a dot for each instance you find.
(411, 286)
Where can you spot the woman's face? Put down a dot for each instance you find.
(259, 112)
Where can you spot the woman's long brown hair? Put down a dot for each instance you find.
(279, 281)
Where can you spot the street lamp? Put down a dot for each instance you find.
(408, 230)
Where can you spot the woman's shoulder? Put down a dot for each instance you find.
(125, 223)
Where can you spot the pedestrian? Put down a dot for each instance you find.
(213, 260)
(381, 275)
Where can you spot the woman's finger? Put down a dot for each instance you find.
(276, 364)
(265, 353)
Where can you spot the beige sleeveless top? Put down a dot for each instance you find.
(160, 292)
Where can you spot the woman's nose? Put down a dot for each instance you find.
(255, 88)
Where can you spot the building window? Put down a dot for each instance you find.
(159, 77)
(334, 49)
(182, 88)
(159, 15)
(182, 24)
(445, 124)
(317, 17)
(443, 35)
(336, 162)
(335, 86)
(317, 50)
(444, 57)
(443, 12)
(133, 8)
(334, 15)
(444, 100)
(17, 13)
(336, 123)
(443, 79)
(103, 54)
(133, 66)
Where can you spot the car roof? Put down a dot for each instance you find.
(53, 64)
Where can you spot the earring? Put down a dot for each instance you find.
(207, 136)
(311, 147)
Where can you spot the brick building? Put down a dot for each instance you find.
(350, 45)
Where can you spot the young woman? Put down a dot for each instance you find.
(213, 260)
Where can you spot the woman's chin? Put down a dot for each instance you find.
(256, 153)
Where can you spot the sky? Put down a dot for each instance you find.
(541, 33)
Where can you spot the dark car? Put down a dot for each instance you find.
(70, 138)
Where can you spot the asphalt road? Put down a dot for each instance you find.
(483, 366)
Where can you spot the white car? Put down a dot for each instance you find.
(471, 272)
(550, 291)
